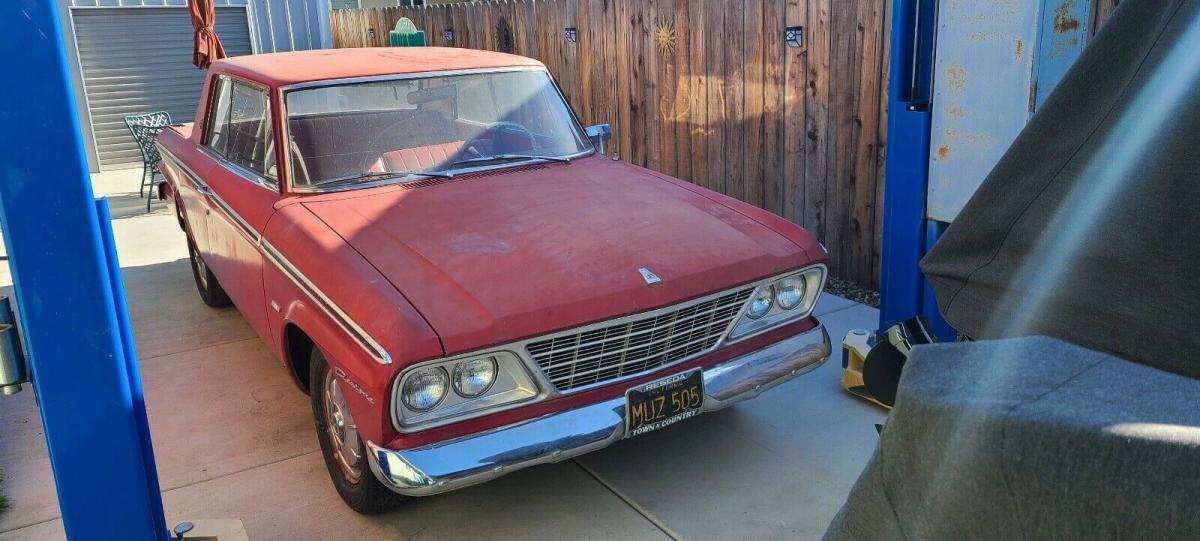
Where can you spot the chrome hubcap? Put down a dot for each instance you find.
(201, 268)
(343, 433)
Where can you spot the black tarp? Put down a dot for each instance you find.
(1088, 229)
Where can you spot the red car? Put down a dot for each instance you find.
(441, 258)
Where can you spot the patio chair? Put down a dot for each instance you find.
(145, 127)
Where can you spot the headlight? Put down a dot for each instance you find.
(482, 382)
(760, 303)
(474, 376)
(778, 301)
(790, 292)
(425, 389)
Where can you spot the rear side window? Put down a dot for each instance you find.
(239, 127)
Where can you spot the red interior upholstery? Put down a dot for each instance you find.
(342, 144)
(420, 158)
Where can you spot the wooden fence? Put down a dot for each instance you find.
(709, 91)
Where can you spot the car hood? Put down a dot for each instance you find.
(505, 255)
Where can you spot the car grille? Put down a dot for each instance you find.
(636, 344)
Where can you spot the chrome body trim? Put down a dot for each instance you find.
(476, 458)
(205, 190)
(191, 175)
(401, 76)
(326, 305)
(253, 177)
(249, 175)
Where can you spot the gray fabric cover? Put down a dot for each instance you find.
(1031, 438)
(1088, 229)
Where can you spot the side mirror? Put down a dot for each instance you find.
(599, 133)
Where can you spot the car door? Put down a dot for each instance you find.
(242, 190)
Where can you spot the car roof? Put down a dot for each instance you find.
(281, 69)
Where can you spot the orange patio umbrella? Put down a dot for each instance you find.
(208, 46)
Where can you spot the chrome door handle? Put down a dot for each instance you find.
(203, 190)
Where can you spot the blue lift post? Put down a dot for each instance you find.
(1017, 55)
(69, 296)
(914, 215)
(907, 234)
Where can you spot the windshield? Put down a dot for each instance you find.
(363, 132)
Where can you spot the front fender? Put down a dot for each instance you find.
(367, 388)
(322, 286)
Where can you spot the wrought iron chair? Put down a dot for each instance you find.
(145, 127)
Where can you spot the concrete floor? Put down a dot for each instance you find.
(234, 439)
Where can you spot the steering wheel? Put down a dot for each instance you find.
(504, 124)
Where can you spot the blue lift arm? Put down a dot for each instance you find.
(70, 300)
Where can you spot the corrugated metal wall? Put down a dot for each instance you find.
(279, 25)
(133, 61)
(245, 26)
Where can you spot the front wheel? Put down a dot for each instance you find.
(210, 289)
(344, 452)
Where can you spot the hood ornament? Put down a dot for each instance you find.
(649, 276)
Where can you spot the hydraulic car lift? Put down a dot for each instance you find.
(964, 78)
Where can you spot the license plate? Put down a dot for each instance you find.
(664, 402)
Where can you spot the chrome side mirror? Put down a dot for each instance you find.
(599, 133)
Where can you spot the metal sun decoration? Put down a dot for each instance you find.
(664, 36)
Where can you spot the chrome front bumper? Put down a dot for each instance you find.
(481, 457)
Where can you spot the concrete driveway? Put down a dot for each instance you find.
(234, 439)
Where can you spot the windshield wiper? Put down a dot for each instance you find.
(512, 157)
(371, 177)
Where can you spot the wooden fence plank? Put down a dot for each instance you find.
(816, 117)
(714, 58)
(638, 83)
(843, 95)
(621, 45)
(859, 225)
(881, 139)
(682, 100)
(794, 128)
(753, 78)
(774, 49)
(698, 80)
(735, 95)
(666, 82)
(652, 81)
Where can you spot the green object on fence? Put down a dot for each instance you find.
(406, 34)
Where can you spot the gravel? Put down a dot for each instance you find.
(852, 291)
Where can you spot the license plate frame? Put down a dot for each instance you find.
(663, 402)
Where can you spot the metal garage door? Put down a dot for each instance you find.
(138, 60)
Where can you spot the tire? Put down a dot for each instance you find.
(179, 214)
(210, 289)
(355, 483)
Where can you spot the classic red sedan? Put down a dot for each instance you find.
(464, 285)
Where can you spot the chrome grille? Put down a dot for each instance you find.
(636, 345)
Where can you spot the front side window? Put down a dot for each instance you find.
(239, 127)
(363, 132)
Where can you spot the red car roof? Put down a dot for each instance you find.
(280, 69)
